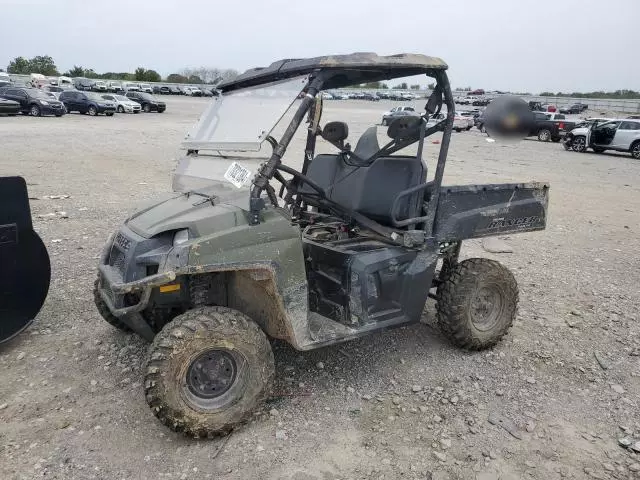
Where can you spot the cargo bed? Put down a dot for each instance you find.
(474, 211)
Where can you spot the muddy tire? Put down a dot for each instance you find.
(104, 311)
(208, 371)
(477, 303)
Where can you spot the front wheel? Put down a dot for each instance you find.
(34, 111)
(635, 150)
(146, 107)
(207, 371)
(92, 111)
(579, 144)
(477, 303)
(120, 109)
(544, 135)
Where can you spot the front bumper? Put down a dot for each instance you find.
(52, 109)
(106, 109)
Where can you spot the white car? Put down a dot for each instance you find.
(100, 86)
(123, 104)
(131, 87)
(619, 135)
(145, 87)
(462, 122)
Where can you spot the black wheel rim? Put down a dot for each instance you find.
(486, 307)
(215, 378)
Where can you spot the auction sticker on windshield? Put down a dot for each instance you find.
(238, 175)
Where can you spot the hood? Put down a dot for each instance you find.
(177, 211)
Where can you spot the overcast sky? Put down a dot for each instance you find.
(561, 45)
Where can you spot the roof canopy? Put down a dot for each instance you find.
(346, 70)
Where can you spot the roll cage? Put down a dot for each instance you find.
(337, 72)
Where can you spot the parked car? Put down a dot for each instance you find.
(34, 101)
(148, 102)
(407, 96)
(435, 119)
(131, 87)
(123, 104)
(574, 109)
(536, 107)
(196, 92)
(115, 87)
(9, 107)
(370, 97)
(99, 86)
(175, 90)
(618, 135)
(462, 122)
(145, 87)
(549, 108)
(206, 92)
(633, 117)
(56, 91)
(395, 112)
(87, 102)
(81, 83)
(327, 96)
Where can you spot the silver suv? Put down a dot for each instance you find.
(619, 135)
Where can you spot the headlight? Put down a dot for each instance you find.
(44, 102)
(180, 237)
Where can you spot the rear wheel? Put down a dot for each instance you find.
(544, 135)
(477, 303)
(109, 114)
(146, 107)
(34, 111)
(120, 109)
(207, 371)
(579, 144)
(635, 150)
(468, 128)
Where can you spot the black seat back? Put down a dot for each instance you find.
(369, 190)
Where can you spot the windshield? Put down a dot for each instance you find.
(121, 98)
(146, 96)
(241, 120)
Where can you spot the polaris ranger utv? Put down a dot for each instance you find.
(248, 248)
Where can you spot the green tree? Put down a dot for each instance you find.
(90, 73)
(152, 76)
(139, 74)
(415, 87)
(195, 79)
(177, 78)
(19, 66)
(401, 86)
(43, 64)
(76, 71)
(384, 86)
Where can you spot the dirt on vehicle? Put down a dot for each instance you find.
(558, 398)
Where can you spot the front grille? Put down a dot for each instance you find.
(117, 259)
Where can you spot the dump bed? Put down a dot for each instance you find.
(473, 211)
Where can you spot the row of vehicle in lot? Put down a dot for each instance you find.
(37, 102)
(100, 86)
(374, 97)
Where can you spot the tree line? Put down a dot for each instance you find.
(45, 65)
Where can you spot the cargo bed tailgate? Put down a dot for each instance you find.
(472, 211)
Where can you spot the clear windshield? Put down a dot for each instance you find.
(241, 120)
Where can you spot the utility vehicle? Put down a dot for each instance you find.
(248, 248)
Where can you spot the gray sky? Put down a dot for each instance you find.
(562, 45)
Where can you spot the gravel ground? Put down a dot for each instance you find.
(553, 400)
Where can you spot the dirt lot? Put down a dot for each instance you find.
(404, 404)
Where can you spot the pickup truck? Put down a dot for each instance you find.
(546, 129)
